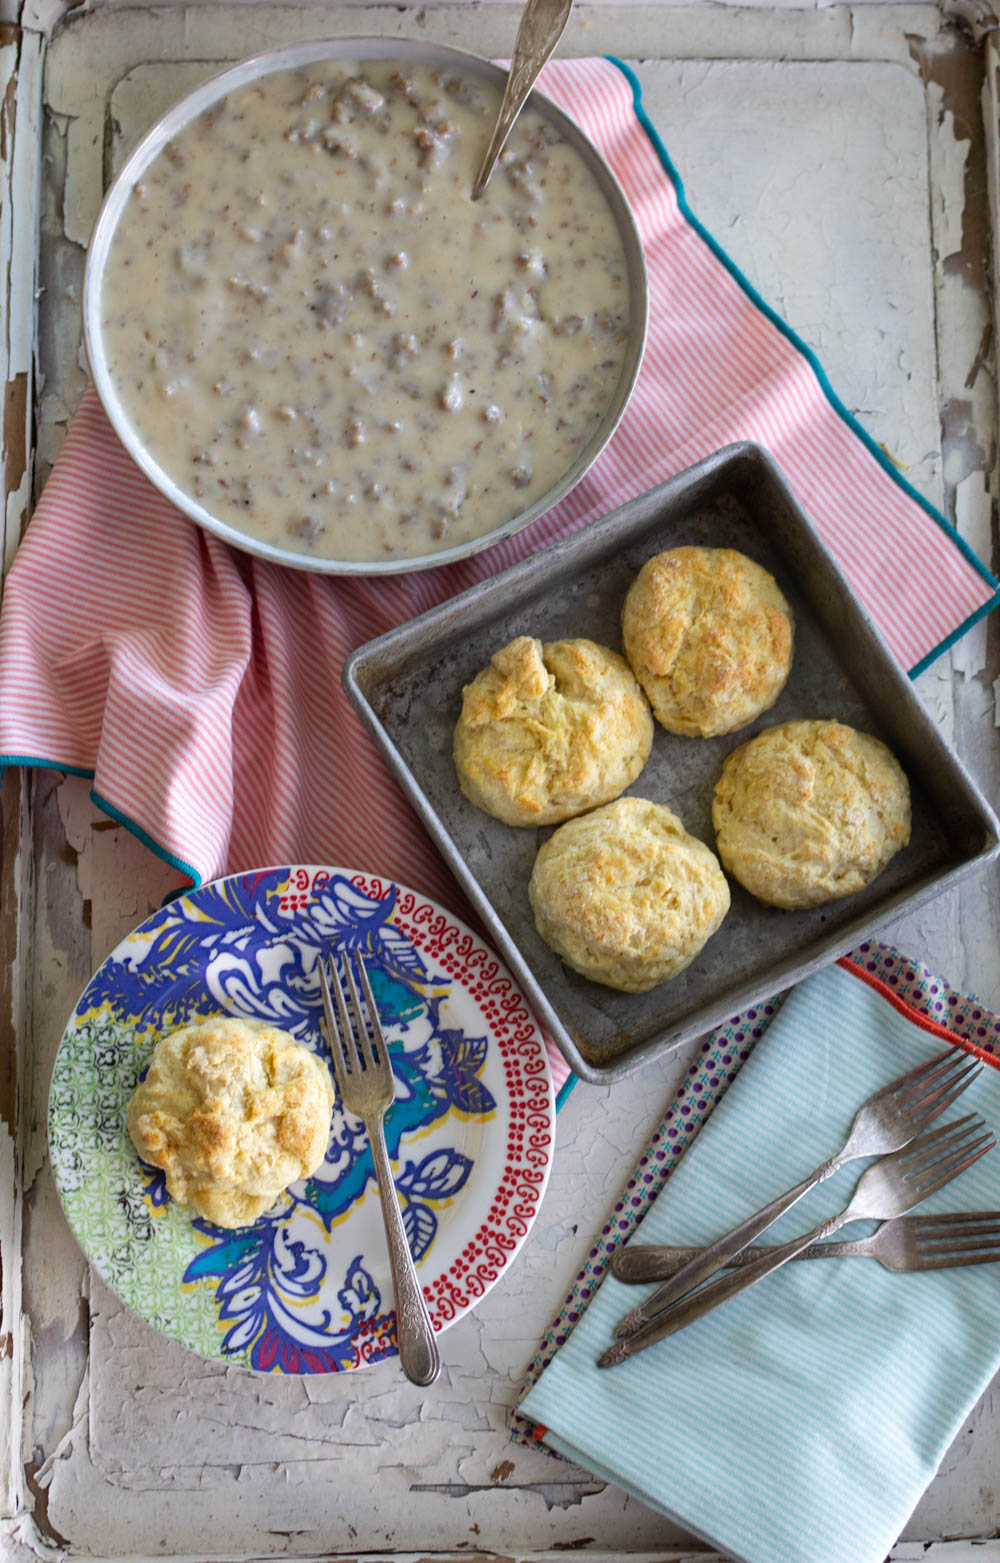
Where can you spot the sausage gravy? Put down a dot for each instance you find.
(319, 336)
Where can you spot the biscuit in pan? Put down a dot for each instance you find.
(709, 636)
(548, 731)
(626, 896)
(809, 811)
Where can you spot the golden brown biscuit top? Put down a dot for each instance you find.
(233, 1111)
(549, 730)
(626, 896)
(809, 811)
(709, 636)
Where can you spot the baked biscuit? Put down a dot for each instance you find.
(549, 731)
(709, 637)
(233, 1111)
(626, 896)
(807, 812)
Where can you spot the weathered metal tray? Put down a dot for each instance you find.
(408, 683)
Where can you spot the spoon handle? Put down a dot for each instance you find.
(542, 25)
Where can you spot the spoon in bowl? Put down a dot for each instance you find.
(542, 25)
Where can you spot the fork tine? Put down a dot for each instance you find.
(965, 1243)
(940, 1229)
(936, 1078)
(957, 1261)
(920, 1148)
(947, 1090)
(358, 1033)
(378, 1042)
(956, 1143)
(348, 1040)
(914, 1079)
(928, 1156)
(954, 1169)
(931, 1150)
(333, 1030)
(955, 1238)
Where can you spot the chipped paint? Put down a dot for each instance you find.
(14, 445)
(990, 100)
(10, 1310)
(961, 242)
(974, 520)
(21, 1541)
(15, 520)
(949, 211)
(14, 896)
(14, 456)
(20, 91)
(44, 16)
(137, 1444)
(976, 17)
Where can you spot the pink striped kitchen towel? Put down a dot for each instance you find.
(200, 687)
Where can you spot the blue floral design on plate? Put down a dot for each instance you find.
(303, 1289)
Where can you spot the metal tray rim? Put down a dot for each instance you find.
(446, 620)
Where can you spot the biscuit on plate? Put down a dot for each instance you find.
(548, 731)
(625, 896)
(709, 637)
(233, 1111)
(808, 812)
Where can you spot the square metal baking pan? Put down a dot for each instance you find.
(408, 683)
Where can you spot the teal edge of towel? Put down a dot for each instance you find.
(842, 412)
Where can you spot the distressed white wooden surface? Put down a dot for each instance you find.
(835, 174)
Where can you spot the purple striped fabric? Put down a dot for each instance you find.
(201, 687)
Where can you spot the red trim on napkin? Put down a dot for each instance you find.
(923, 1021)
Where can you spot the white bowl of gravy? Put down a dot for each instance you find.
(318, 347)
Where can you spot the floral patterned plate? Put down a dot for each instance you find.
(306, 1288)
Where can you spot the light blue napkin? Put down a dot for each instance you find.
(820, 1402)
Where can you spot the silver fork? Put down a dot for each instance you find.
(367, 1088)
(887, 1188)
(905, 1244)
(888, 1120)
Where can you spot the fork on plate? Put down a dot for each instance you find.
(888, 1120)
(907, 1243)
(367, 1089)
(889, 1187)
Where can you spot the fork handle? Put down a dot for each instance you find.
(689, 1309)
(418, 1352)
(659, 1261)
(721, 1253)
